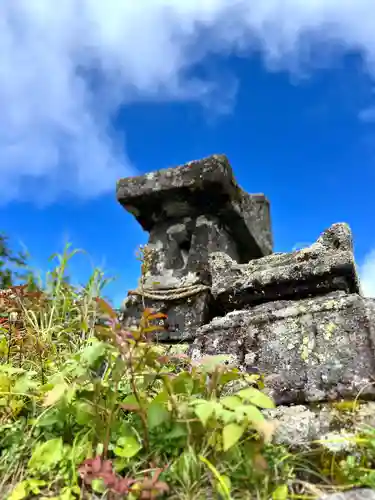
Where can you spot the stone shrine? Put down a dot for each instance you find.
(190, 212)
(299, 318)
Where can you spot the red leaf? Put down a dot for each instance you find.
(106, 308)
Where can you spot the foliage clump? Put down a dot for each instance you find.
(11, 263)
(89, 409)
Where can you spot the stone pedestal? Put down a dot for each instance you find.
(311, 350)
(298, 318)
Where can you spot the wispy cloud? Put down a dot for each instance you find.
(367, 115)
(66, 67)
(367, 274)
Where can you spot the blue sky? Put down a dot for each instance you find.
(286, 92)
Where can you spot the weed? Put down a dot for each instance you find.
(90, 408)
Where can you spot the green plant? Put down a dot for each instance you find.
(130, 421)
(10, 264)
(89, 406)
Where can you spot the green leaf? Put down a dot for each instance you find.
(93, 352)
(98, 485)
(68, 494)
(35, 485)
(251, 412)
(19, 492)
(231, 435)
(256, 397)
(161, 397)
(84, 413)
(265, 427)
(223, 482)
(157, 414)
(127, 447)
(281, 493)
(205, 411)
(119, 464)
(49, 418)
(24, 384)
(225, 415)
(130, 401)
(178, 430)
(229, 376)
(231, 402)
(47, 455)
(70, 393)
(252, 378)
(224, 486)
(53, 396)
(11, 370)
(183, 383)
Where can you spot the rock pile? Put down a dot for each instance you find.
(299, 318)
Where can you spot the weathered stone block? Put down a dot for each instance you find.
(204, 187)
(179, 252)
(184, 316)
(325, 266)
(179, 262)
(301, 426)
(310, 350)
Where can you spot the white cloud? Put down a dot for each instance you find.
(367, 114)
(54, 122)
(367, 275)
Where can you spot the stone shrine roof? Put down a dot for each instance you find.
(199, 187)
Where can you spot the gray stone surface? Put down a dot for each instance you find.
(179, 252)
(358, 494)
(184, 316)
(300, 426)
(370, 313)
(205, 187)
(312, 350)
(325, 266)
